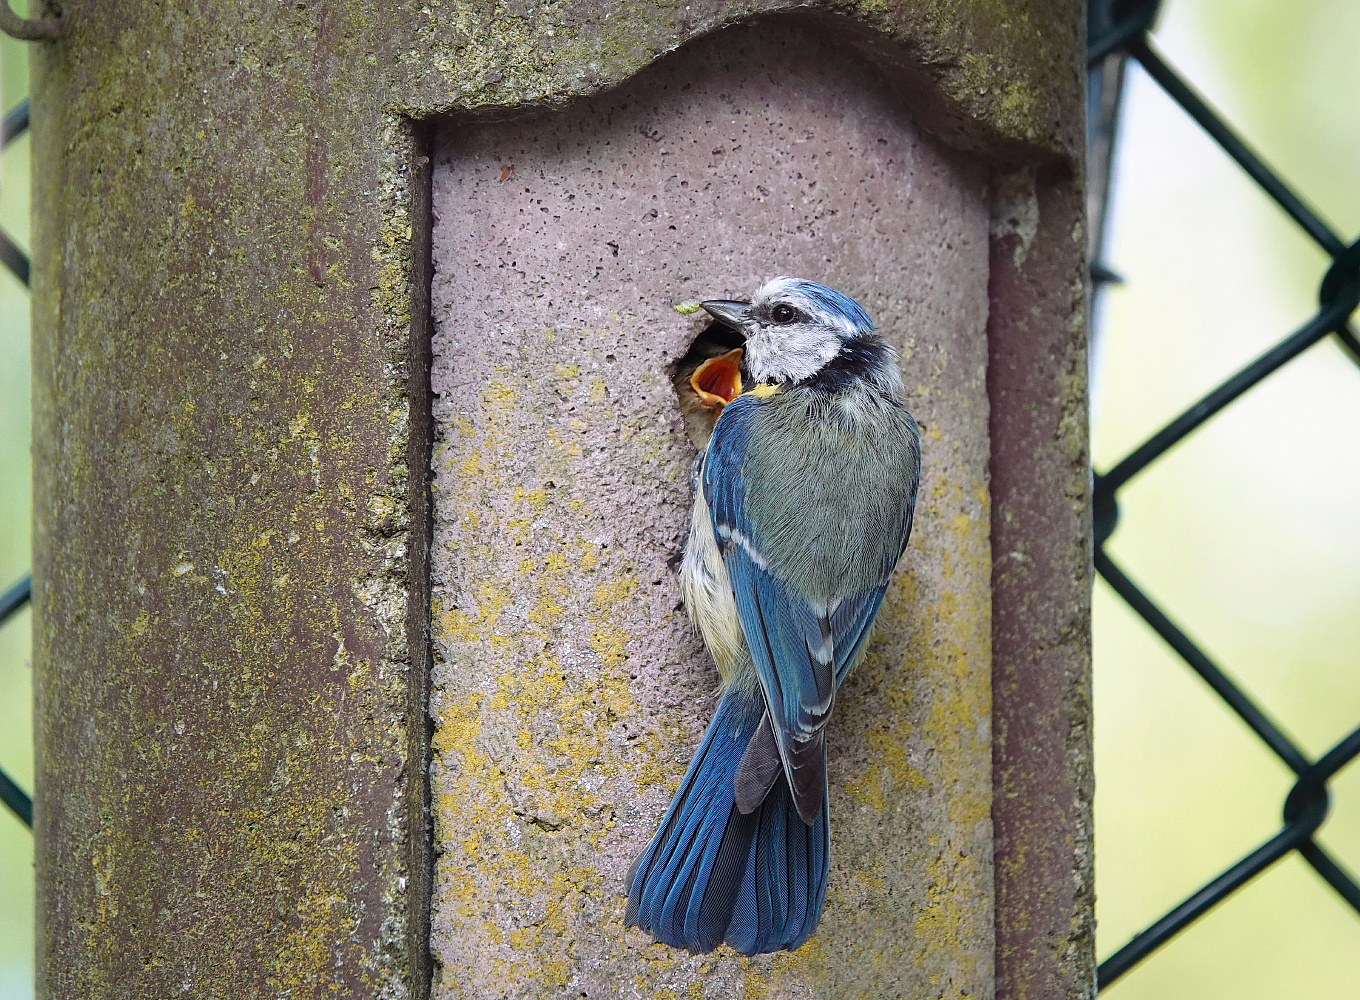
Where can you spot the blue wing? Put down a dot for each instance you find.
(801, 650)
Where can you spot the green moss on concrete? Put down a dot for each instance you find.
(223, 261)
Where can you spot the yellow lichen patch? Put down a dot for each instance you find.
(459, 726)
(539, 787)
(872, 880)
(609, 639)
(545, 611)
(482, 621)
(946, 919)
(536, 498)
(498, 392)
(555, 683)
(890, 771)
(757, 981)
(563, 448)
(524, 910)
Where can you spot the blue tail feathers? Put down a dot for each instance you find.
(711, 874)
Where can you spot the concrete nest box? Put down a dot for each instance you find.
(365, 447)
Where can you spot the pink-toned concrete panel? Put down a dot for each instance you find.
(569, 690)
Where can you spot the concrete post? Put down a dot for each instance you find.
(263, 239)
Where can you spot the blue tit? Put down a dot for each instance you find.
(803, 507)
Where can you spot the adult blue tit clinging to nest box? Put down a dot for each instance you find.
(803, 507)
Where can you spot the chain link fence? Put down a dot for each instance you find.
(1119, 32)
(16, 886)
(17, 596)
(19, 802)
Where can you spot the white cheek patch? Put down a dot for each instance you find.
(778, 354)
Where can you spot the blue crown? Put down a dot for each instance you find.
(835, 302)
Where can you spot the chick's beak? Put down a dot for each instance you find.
(737, 315)
(717, 381)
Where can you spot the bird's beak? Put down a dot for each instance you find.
(737, 315)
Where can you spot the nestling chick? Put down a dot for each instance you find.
(805, 502)
(707, 378)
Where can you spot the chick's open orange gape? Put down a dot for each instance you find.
(718, 380)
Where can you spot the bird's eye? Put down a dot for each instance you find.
(783, 314)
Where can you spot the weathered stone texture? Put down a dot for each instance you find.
(1041, 575)
(227, 279)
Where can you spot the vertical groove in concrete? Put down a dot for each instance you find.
(1041, 579)
(420, 843)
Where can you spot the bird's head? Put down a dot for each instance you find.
(793, 327)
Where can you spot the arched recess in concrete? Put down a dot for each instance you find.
(569, 690)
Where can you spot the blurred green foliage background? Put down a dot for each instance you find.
(16, 506)
(1247, 532)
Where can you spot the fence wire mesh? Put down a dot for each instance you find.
(15, 124)
(1118, 31)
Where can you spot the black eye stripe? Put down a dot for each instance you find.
(782, 313)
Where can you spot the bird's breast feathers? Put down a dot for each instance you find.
(825, 484)
(708, 597)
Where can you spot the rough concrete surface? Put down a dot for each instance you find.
(1041, 579)
(569, 690)
(230, 472)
